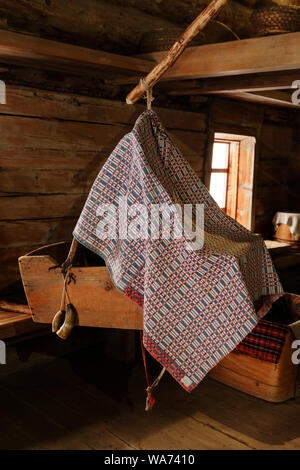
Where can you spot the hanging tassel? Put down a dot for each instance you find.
(150, 400)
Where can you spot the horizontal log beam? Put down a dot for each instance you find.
(273, 98)
(26, 50)
(238, 83)
(256, 55)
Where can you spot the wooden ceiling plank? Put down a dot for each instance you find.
(264, 54)
(16, 48)
(272, 98)
(239, 83)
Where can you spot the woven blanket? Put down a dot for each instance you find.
(264, 342)
(198, 304)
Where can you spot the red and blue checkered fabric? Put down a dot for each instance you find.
(198, 305)
(264, 342)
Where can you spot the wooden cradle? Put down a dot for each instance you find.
(100, 304)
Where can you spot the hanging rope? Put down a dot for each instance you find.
(150, 400)
(148, 89)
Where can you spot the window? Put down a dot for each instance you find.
(231, 175)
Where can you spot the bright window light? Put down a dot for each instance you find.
(218, 185)
(220, 155)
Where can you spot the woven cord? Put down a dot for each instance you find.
(150, 400)
(148, 90)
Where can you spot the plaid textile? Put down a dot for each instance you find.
(198, 305)
(264, 342)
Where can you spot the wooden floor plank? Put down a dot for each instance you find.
(249, 420)
(164, 428)
(91, 402)
(89, 429)
(38, 430)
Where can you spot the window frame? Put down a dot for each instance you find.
(239, 143)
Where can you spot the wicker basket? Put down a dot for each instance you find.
(162, 39)
(276, 19)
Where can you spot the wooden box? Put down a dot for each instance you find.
(271, 382)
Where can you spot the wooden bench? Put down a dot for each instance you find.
(16, 321)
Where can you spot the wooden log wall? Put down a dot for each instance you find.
(51, 149)
(54, 143)
(294, 169)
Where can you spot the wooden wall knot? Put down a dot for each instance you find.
(108, 286)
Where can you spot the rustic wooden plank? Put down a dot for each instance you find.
(104, 307)
(95, 398)
(38, 430)
(270, 98)
(46, 137)
(9, 258)
(146, 434)
(236, 57)
(88, 429)
(21, 132)
(99, 26)
(236, 83)
(15, 320)
(48, 181)
(53, 181)
(271, 199)
(127, 21)
(263, 224)
(276, 141)
(294, 194)
(27, 50)
(42, 206)
(113, 407)
(6, 306)
(24, 101)
(240, 118)
(37, 232)
(256, 429)
(272, 172)
(46, 159)
(12, 325)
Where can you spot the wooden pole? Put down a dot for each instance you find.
(176, 50)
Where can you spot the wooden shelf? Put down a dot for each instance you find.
(256, 55)
(22, 49)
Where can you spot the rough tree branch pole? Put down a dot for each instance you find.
(177, 49)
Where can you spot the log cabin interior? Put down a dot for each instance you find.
(230, 104)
